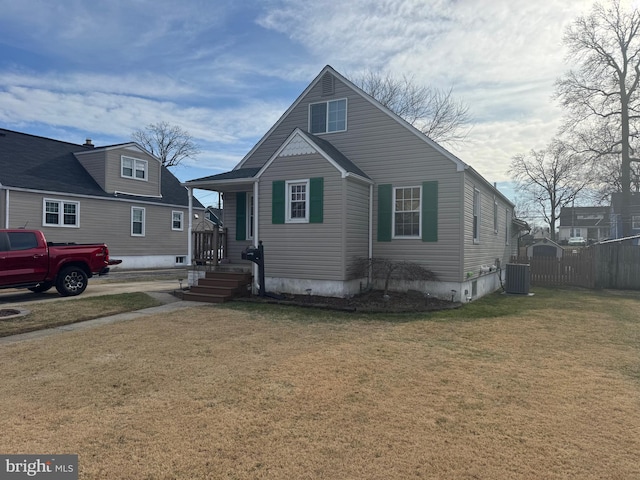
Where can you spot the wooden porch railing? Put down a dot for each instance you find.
(209, 247)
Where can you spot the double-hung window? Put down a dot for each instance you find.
(635, 222)
(176, 220)
(298, 201)
(137, 221)
(327, 117)
(60, 213)
(134, 168)
(406, 212)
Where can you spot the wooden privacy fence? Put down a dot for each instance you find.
(617, 266)
(609, 265)
(571, 269)
(209, 246)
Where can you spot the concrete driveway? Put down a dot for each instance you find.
(154, 282)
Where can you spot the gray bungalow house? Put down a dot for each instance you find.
(339, 178)
(119, 194)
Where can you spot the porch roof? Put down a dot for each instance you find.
(233, 177)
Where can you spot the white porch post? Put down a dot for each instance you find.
(190, 229)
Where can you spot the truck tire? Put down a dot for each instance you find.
(42, 287)
(71, 281)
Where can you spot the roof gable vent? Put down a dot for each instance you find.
(328, 84)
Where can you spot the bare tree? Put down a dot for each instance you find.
(387, 270)
(435, 112)
(169, 143)
(549, 180)
(602, 93)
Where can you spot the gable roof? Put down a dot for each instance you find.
(460, 165)
(345, 166)
(38, 163)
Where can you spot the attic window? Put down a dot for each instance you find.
(134, 168)
(328, 84)
(327, 117)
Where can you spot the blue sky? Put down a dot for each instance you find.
(226, 70)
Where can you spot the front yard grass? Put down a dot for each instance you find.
(64, 312)
(505, 388)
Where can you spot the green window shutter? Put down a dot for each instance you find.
(241, 216)
(316, 200)
(430, 211)
(278, 201)
(385, 212)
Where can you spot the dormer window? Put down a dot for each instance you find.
(134, 168)
(327, 117)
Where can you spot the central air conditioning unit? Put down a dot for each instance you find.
(518, 278)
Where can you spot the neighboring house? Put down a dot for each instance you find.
(339, 177)
(214, 215)
(616, 217)
(591, 223)
(118, 194)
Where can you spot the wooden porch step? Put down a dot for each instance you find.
(219, 287)
(208, 298)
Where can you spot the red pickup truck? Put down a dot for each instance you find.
(27, 260)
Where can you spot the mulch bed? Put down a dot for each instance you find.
(372, 301)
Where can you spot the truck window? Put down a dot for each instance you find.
(22, 240)
(4, 242)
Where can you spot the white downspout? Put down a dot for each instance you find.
(256, 233)
(6, 208)
(370, 228)
(190, 229)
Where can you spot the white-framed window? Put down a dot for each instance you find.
(137, 221)
(60, 213)
(635, 222)
(495, 216)
(575, 232)
(250, 213)
(134, 168)
(476, 216)
(507, 227)
(177, 220)
(181, 260)
(297, 201)
(327, 117)
(407, 212)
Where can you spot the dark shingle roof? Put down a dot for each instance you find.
(231, 175)
(38, 163)
(337, 156)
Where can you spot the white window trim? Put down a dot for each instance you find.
(635, 222)
(289, 184)
(181, 221)
(326, 126)
(476, 234)
(144, 218)
(134, 169)
(181, 260)
(393, 215)
(495, 216)
(507, 226)
(61, 204)
(249, 215)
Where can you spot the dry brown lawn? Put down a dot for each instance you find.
(551, 391)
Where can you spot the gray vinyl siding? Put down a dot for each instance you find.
(303, 250)
(94, 163)
(388, 153)
(356, 220)
(117, 183)
(491, 245)
(105, 221)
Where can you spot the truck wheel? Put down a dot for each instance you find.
(71, 281)
(42, 287)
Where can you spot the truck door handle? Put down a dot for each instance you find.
(38, 255)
